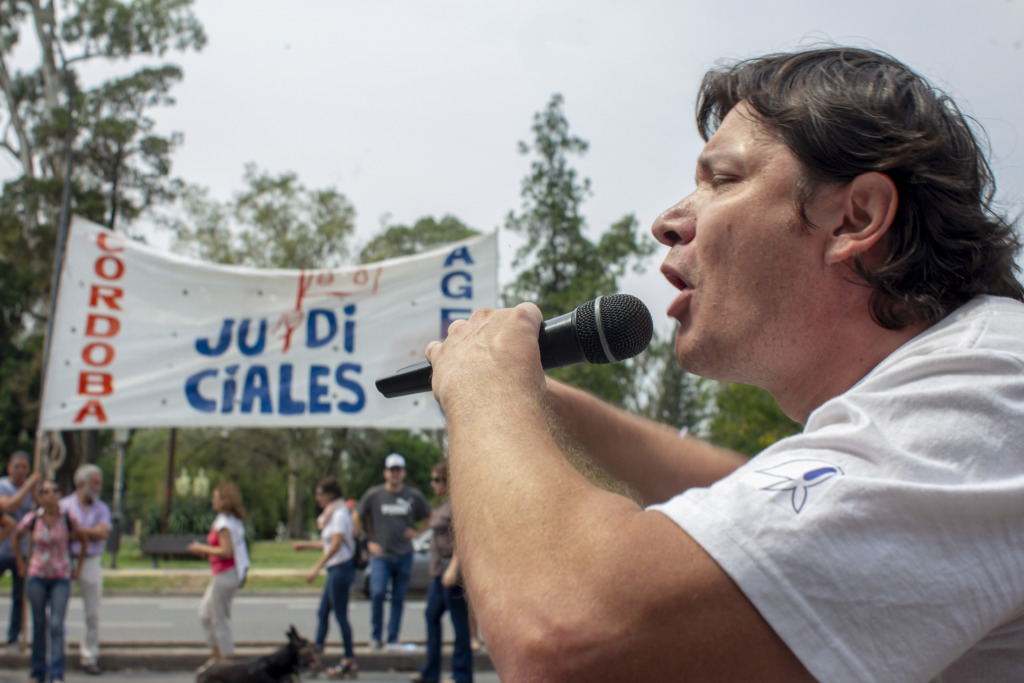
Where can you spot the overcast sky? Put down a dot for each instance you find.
(414, 107)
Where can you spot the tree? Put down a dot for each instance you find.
(90, 151)
(747, 419)
(277, 223)
(561, 267)
(426, 234)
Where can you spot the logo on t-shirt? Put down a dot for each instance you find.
(799, 476)
(400, 507)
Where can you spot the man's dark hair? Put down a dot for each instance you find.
(846, 111)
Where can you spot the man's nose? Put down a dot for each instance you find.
(676, 224)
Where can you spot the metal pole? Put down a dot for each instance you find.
(169, 488)
(121, 439)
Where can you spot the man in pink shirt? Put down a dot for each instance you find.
(94, 517)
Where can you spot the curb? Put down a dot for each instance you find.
(188, 656)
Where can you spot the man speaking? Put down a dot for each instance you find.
(840, 250)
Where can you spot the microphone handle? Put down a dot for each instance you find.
(412, 379)
(558, 343)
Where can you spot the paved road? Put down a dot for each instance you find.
(256, 618)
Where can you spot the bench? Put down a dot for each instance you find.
(169, 545)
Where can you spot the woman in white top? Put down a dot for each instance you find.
(336, 542)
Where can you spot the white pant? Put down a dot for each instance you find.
(90, 585)
(215, 612)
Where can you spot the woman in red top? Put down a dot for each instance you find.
(225, 548)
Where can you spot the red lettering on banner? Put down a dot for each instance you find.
(102, 326)
(101, 242)
(92, 409)
(102, 269)
(108, 295)
(89, 354)
(100, 354)
(88, 381)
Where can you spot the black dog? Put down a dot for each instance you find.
(280, 666)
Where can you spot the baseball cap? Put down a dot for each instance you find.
(394, 460)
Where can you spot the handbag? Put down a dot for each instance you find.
(360, 552)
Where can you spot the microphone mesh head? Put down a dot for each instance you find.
(626, 323)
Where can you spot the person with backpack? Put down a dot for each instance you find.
(49, 570)
(337, 541)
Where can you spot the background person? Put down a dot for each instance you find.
(839, 250)
(445, 594)
(229, 561)
(336, 542)
(16, 499)
(50, 571)
(93, 517)
(388, 513)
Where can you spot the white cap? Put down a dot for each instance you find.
(394, 460)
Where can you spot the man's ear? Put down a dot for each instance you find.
(868, 208)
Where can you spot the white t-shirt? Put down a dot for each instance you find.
(237, 529)
(340, 523)
(886, 542)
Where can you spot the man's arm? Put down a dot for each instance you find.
(651, 458)
(571, 582)
(11, 503)
(101, 530)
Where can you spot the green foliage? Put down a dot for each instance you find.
(186, 516)
(562, 268)
(670, 395)
(280, 223)
(748, 419)
(427, 234)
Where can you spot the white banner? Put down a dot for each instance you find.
(144, 338)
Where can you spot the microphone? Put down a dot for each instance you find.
(606, 330)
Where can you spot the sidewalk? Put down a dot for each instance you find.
(185, 655)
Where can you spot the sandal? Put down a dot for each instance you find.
(343, 670)
(205, 665)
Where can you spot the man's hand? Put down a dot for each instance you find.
(375, 549)
(493, 350)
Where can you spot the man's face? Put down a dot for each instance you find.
(89, 489)
(17, 470)
(743, 266)
(395, 475)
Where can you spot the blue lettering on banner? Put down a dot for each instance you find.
(265, 389)
(456, 284)
(257, 393)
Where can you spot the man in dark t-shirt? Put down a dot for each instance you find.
(389, 513)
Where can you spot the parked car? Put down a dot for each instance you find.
(419, 582)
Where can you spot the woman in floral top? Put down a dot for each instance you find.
(49, 574)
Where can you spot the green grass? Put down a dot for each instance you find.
(263, 555)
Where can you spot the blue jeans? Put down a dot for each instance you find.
(17, 597)
(55, 592)
(398, 571)
(335, 598)
(452, 600)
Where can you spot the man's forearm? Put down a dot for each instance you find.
(649, 457)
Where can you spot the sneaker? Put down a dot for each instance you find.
(377, 645)
(13, 648)
(92, 669)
